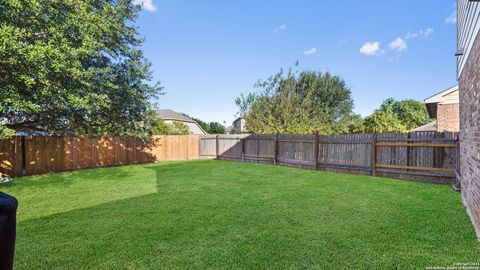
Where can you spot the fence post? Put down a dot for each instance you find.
(275, 149)
(315, 150)
(408, 149)
(458, 175)
(374, 154)
(216, 147)
(188, 152)
(24, 156)
(243, 149)
(199, 146)
(258, 148)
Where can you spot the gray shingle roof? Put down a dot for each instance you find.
(432, 126)
(172, 115)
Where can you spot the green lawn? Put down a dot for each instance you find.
(216, 214)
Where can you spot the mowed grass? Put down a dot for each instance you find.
(227, 215)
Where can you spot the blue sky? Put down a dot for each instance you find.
(205, 53)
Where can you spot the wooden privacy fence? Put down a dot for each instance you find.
(426, 156)
(20, 156)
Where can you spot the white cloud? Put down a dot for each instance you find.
(370, 48)
(146, 4)
(425, 33)
(422, 33)
(411, 35)
(452, 18)
(279, 28)
(310, 51)
(398, 45)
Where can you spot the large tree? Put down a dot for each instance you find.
(304, 103)
(160, 127)
(209, 127)
(397, 116)
(411, 113)
(383, 122)
(73, 67)
(216, 128)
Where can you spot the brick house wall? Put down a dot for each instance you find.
(469, 82)
(448, 117)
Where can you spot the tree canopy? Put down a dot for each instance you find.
(160, 127)
(314, 102)
(397, 116)
(216, 128)
(209, 127)
(73, 67)
(305, 103)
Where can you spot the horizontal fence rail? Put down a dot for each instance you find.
(21, 156)
(425, 156)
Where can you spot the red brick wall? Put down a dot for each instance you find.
(448, 117)
(469, 83)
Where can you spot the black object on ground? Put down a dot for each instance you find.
(8, 224)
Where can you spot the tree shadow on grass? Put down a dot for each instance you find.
(148, 231)
(207, 216)
(51, 194)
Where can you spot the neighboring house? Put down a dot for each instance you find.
(432, 126)
(468, 74)
(239, 126)
(444, 108)
(229, 130)
(170, 116)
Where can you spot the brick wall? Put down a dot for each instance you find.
(469, 82)
(448, 118)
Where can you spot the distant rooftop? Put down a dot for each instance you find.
(445, 97)
(432, 126)
(167, 114)
(449, 96)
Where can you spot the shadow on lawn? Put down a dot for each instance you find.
(204, 218)
(57, 183)
(127, 233)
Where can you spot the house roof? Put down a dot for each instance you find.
(448, 96)
(167, 114)
(239, 118)
(432, 126)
